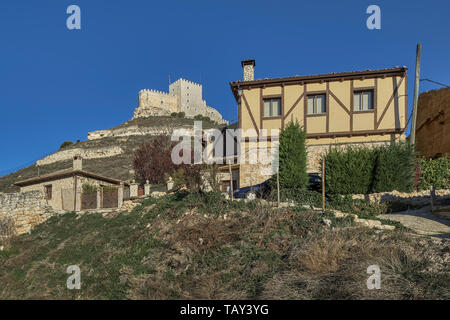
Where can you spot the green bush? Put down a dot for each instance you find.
(181, 114)
(349, 171)
(292, 157)
(88, 188)
(65, 144)
(435, 172)
(394, 168)
(368, 170)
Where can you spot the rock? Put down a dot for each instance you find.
(157, 194)
(327, 222)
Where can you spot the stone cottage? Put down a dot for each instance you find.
(75, 189)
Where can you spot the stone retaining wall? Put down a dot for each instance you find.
(26, 209)
(419, 198)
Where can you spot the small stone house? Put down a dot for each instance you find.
(65, 189)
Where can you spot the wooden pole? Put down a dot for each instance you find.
(278, 189)
(231, 180)
(323, 184)
(412, 137)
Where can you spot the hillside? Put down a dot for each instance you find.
(117, 166)
(188, 246)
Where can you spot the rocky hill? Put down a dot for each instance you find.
(106, 152)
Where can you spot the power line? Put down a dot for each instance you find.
(439, 83)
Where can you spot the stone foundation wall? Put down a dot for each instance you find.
(26, 209)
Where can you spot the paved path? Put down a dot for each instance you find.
(421, 221)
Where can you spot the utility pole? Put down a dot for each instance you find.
(412, 136)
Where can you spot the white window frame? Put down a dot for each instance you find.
(271, 107)
(360, 107)
(315, 108)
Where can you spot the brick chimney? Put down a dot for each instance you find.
(77, 162)
(248, 67)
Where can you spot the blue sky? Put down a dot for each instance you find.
(58, 84)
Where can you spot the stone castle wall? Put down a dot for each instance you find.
(26, 210)
(183, 96)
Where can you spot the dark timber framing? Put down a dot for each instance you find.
(377, 111)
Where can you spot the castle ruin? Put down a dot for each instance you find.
(183, 96)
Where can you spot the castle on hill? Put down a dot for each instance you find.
(183, 96)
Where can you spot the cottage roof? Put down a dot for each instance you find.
(65, 174)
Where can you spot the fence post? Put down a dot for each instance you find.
(231, 181)
(99, 197)
(120, 195)
(432, 197)
(147, 188)
(134, 189)
(323, 184)
(278, 188)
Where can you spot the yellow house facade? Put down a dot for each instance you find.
(336, 109)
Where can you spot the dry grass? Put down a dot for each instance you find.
(180, 248)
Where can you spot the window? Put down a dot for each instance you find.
(272, 107)
(363, 100)
(48, 192)
(316, 104)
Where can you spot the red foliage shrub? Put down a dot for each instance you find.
(152, 160)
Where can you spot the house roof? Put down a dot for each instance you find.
(65, 174)
(365, 74)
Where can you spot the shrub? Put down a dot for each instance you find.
(65, 144)
(173, 114)
(292, 157)
(189, 176)
(88, 188)
(181, 114)
(435, 172)
(153, 160)
(349, 171)
(368, 170)
(394, 168)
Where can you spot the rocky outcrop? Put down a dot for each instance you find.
(84, 153)
(137, 131)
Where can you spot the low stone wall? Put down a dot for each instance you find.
(415, 199)
(26, 209)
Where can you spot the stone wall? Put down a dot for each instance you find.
(84, 153)
(183, 96)
(26, 209)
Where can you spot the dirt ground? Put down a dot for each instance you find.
(422, 221)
